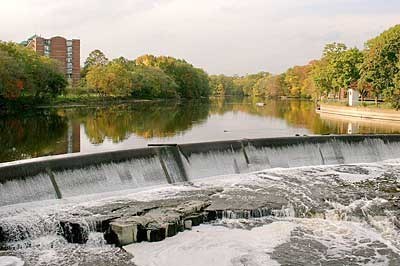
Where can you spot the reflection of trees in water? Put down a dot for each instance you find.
(148, 120)
(166, 119)
(30, 135)
(295, 113)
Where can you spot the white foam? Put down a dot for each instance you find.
(214, 245)
(10, 261)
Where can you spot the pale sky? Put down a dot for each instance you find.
(230, 37)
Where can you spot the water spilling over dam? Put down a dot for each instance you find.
(326, 199)
(74, 175)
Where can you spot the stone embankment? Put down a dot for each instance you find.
(360, 112)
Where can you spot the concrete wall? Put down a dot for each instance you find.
(361, 112)
(30, 167)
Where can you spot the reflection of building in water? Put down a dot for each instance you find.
(71, 141)
(74, 137)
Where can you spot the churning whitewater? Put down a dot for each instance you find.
(317, 215)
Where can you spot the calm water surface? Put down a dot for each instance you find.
(93, 129)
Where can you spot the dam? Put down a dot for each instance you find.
(81, 174)
(94, 203)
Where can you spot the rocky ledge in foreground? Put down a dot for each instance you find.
(373, 190)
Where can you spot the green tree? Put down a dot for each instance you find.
(192, 82)
(221, 85)
(347, 68)
(392, 94)
(339, 68)
(380, 62)
(322, 76)
(152, 82)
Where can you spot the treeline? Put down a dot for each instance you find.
(374, 72)
(24, 73)
(147, 76)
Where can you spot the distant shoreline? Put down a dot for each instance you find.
(29, 103)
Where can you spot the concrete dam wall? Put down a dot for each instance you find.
(71, 175)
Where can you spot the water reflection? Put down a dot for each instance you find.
(354, 125)
(134, 125)
(32, 134)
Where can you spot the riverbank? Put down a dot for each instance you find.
(70, 101)
(361, 112)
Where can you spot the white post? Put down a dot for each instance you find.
(353, 97)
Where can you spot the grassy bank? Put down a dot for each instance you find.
(366, 105)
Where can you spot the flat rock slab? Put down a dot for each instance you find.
(156, 224)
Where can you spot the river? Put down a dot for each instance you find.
(112, 127)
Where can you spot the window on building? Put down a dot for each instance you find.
(69, 43)
(69, 49)
(69, 59)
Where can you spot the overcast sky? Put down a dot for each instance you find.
(230, 37)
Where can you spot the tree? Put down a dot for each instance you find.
(24, 73)
(152, 82)
(347, 68)
(96, 57)
(11, 76)
(381, 56)
(392, 94)
(246, 83)
(192, 82)
(339, 68)
(111, 79)
(322, 77)
(221, 85)
(274, 85)
(333, 53)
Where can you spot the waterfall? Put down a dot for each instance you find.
(172, 164)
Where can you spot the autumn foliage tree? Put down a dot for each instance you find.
(147, 76)
(192, 82)
(25, 73)
(110, 79)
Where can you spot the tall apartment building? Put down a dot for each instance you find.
(67, 52)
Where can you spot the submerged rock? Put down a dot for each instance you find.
(74, 231)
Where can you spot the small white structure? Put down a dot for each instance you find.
(353, 97)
